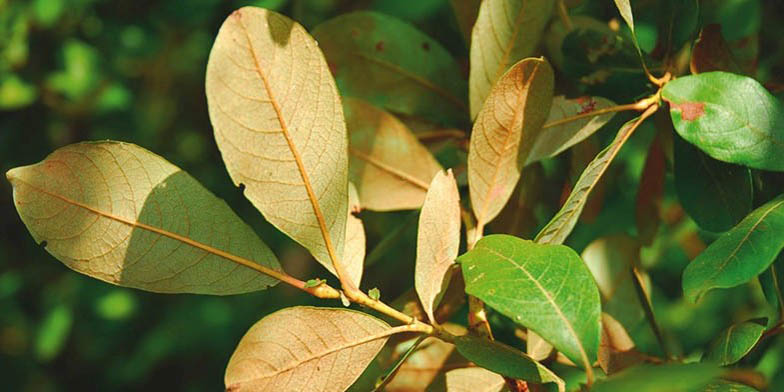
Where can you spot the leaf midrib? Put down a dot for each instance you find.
(389, 169)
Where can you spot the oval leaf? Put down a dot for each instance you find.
(712, 53)
(438, 240)
(505, 360)
(673, 377)
(474, 380)
(280, 129)
(739, 254)
(557, 135)
(305, 349)
(391, 168)
(734, 343)
(505, 32)
(730, 117)
(503, 133)
(546, 288)
(370, 53)
(121, 214)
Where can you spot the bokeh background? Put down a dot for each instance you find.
(133, 70)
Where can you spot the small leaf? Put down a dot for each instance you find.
(505, 32)
(438, 240)
(314, 283)
(717, 195)
(280, 129)
(772, 282)
(536, 347)
(616, 350)
(119, 213)
(732, 344)
(625, 8)
(673, 377)
(474, 379)
(505, 360)
(390, 167)
(739, 254)
(354, 253)
(393, 65)
(374, 293)
(305, 349)
(712, 53)
(509, 122)
(545, 288)
(730, 117)
(558, 136)
(561, 225)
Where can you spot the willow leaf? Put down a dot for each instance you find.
(474, 379)
(505, 32)
(438, 240)
(509, 122)
(119, 213)
(305, 349)
(280, 129)
(734, 343)
(391, 168)
(740, 254)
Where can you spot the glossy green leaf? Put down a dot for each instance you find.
(505, 360)
(672, 377)
(545, 288)
(732, 344)
(739, 254)
(772, 282)
(730, 117)
(393, 65)
(121, 214)
(505, 32)
(716, 194)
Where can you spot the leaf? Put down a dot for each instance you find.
(438, 240)
(712, 53)
(727, 386)
(391, 168)
(558, 136)
(730, 117)
(420, 370)
(739, 254)
(263, 69)
(536, 347)
(561, 225)
(772, 282)
(121, 214)
(305, 348)
(672, 377)
(717, 195)
(466, 12)
(505, 360)
(355, 238)
(393, 65)
(505, 32)
(474, 379)
(616, 349)
(651, 191)
(732, 344)
(625, 8)
(545, 288)
(503, 132)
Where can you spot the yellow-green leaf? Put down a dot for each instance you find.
(503, 133)
(390, 167)
(280, 129)
(505, 32)
(305, 349)
(438, 240)
(121, 214)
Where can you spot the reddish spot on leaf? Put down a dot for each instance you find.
(587, 105)
(380, 46)
(426, 46)
(690, 111)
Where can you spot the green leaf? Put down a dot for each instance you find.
(15, 93)
(306, 349)
(256, 94)
(732, 344)
(730, 117)
(717, 195)
(393, 65)
(672, 377)
(727, 386)
(772, 282)
(505, 360)
(739, 254)
(121, 214)
(53, 333)
(505, 32)
(546, 288)
(374, 293)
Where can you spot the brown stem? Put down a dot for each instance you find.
(638, 106)
(648, 309)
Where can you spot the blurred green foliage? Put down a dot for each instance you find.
(133, 70)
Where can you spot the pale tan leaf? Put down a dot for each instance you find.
(390, 167)
(305, 349)
(505, 32)
(557, 136)
(121, 214)
(536, 347)
(616, 347)
(432, 358)
(354, 253)
(503, 133)
(280, 129)
(474, 379)
(438, 240)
